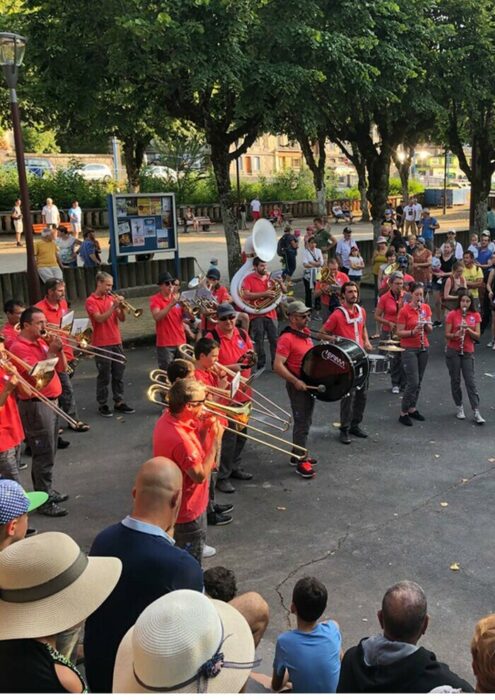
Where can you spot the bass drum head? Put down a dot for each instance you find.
(328, 365)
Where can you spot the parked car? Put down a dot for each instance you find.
(160, 171)
(95, 171)
(36, 166)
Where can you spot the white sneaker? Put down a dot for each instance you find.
(478, 418)
(460, 413)
(490, 344)
(208, 551)
(395, 390)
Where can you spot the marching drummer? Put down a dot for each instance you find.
(349, 321)
(293, 343)
(386, 313)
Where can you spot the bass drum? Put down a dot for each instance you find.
(339, 367)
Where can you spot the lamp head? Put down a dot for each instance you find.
(12, 48)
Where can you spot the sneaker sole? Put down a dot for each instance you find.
(220, 524)
(305, 476)
(105, 415)
(226, 511)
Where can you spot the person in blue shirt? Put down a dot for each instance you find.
(151, 566)
(428, 227)
(89, 250)
(309, 656)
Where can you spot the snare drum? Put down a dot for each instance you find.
(341, 367)
(379, 364)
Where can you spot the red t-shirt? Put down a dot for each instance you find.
(11, 432)
(340, 278)
(108, 332)
(179, 441)
(410, 316)
(454, 318)
(170, 331)
(231, 349)
(206, 376)
(294, 347)
(9, 335)
(254, 283)
(337, 324)
(390, 307)
(54, 315)
(33, 352)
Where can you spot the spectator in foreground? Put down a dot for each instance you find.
(152, 565)
(67, 247)
(48, 585)
(15, 505)
(185, 642)
(483, 653)
(309, 656)
(89, 251)
(47, 257)
(220, 583)
(392, 662)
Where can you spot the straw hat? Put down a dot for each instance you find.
(185, 642)
(47, 585)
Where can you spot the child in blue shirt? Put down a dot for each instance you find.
(309, 656)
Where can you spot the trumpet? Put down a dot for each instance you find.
(7, 360)
(262, 403)
(128, 308)
(81, 343)
(237, 417)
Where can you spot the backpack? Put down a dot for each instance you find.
(282, 245)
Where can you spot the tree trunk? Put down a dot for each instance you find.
(220, 161)
(482, 171)
(404, 180)
(321, 198)
(133, 158)
(316, 165)
(378, 186)
(363, 187)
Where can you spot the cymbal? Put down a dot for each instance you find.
(388, 342)
(390, 348)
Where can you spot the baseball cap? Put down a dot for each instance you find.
(225, 309)
(213, 273)
(297, 307)
(381, 239)
(420, 240)
(452, 230)
(347, 229)
(14, 501)
(165, 277)
(403, 260)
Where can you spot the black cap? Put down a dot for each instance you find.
(347, 229)
(224, 310)
(214, 273)
(165, 277)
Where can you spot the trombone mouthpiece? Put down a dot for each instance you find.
(321, 388)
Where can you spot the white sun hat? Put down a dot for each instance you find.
(48, 585)
(185, 642)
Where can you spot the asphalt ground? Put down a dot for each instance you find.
(404, 503)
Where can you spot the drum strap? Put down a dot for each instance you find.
(354, 321)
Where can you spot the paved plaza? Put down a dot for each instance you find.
(405, 503)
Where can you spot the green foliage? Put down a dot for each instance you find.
(63, 187)
(40, 140)
(395, 187)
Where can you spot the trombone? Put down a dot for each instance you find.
(238, 417)
(128, 308)
(81, 342)
(6, 359)
(160, 379)
(282, 416)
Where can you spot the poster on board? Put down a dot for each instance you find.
(143, 223)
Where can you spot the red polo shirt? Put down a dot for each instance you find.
(337, 324)
(231, 349)
(9, 335)
(207, 377)
(294, 347)
(33, 352)
(390, 307)
(254, 283)
(54, 315)
(108, 332)
(454, 318)
(11, 432)
(409, 316)
(179, 442)
(170, 331)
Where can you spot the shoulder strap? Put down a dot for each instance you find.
(215, 335)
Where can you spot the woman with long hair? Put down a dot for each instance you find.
(462, 328)
(452, 285)
(413, 327)
(440, 274)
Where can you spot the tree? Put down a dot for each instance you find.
(402, 161)
(37, 139)
(466, 93)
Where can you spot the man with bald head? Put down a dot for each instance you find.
(392, 662)
(151, 565)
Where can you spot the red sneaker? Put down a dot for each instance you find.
(305, 470)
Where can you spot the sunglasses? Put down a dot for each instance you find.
(227, 318)
(168, 284)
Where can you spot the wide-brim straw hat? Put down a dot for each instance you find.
(177, 635)
(47, 585)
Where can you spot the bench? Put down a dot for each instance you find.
(203, 221)
(38, 228)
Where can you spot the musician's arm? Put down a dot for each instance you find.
(366, 341)
(279, 366)
(475, 332)
(448, 332)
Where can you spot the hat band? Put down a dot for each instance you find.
(49, 588)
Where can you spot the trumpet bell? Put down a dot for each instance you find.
(195, 282)
(390, 269)
(137, 313)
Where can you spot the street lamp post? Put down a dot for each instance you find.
(12, 47)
